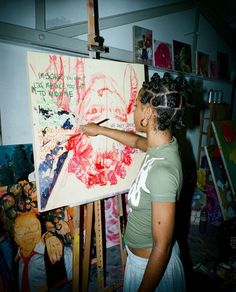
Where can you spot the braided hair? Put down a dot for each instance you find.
(168, 97)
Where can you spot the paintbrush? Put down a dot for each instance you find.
(76, 135)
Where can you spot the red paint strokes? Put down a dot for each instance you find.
(80, 83)
(99, 166)
(228, 132)
(126, 158)
(91, 180)
(101, 90)
(120, 170)
(101, 178)
(111, 176)
(133, 80)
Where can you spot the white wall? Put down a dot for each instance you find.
(14, 97)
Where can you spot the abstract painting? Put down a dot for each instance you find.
(15, 163)
(40, 241)
(213, 72)
(142, 43)
(162, 55)
(66, 92)
(222, 66)
(225, 133)
(182, 57)
(222, 186)
(202, 64)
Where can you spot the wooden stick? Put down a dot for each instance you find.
(87, 246)
(76, 249)
(99, 243)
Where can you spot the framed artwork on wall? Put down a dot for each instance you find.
(202, 64)
(225, 133)
(213, 69)
(182, 57)
(162, 56)
(142, 45)
(222, 66)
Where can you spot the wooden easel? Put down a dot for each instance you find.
(93, 209)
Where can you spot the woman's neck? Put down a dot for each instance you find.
(157, 138)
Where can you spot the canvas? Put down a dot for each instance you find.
(202, 64)
(65, 92)
(29, 235)
(213, 72)
(222, 186)
(222, 66)
(182, 57)
(162, 54)
(143, 47)
(225, 133)
(15, 163)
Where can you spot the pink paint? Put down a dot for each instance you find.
(96, 99)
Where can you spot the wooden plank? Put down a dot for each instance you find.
(76, 250)
(121, 227)
(99, 243)
(87, 246)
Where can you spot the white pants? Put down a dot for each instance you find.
(173, 279)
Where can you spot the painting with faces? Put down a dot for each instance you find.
(67, 92)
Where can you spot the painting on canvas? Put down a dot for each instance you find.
(221, 182)
(225, 133)
(16, 163)
(40, 241)
(222, 66)
(182, 56)
(213, 72)
(25, 231)
(202, 64)
(162, 54)
(65, 92)
(143, 47)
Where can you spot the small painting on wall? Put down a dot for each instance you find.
(222, 66)
(16, 163)
(182, 57)
(202, 64)
(212, 73)
(162, 54)
(143, 47)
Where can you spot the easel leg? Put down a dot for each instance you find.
(121, 226)
(99, 241)
(87, 246)
(76, 249)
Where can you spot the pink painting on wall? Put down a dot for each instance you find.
(66, 92)
(162, 54)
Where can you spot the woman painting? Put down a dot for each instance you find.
(153, 262)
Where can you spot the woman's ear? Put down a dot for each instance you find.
(148, 112)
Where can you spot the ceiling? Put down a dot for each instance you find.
(222, 15)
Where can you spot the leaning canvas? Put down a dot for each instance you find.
(65, 92)
(221, 182)
(225, 133)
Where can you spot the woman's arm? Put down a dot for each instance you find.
(163, 218)
(126, 138)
